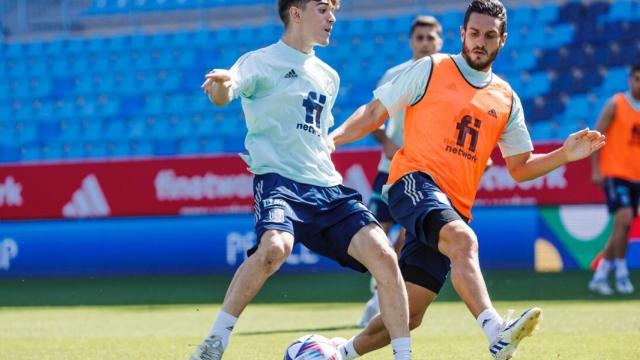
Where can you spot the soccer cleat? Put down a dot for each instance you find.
(371, 309)
(600, 286)
(339, 343)
(506, 342)
(210, 349)
(624, 285)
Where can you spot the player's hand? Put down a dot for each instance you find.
(217, 77)
(583, 143)
(597, 178)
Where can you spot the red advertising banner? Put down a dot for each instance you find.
(568, 184)
(221, 184)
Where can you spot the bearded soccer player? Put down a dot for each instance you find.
(457, 110)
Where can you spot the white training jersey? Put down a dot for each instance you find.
(287, 97)
(395, 124)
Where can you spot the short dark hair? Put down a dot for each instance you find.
(493, 8)
(284, 5)
(634, 68)
(426, 20)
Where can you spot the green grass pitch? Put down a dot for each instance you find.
(163, 318)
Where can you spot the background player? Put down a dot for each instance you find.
(617, 169)
(457, 110)
(425, 39)
(287, 96)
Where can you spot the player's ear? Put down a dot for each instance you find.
(462, 31)
(503, 39)
(295, 14)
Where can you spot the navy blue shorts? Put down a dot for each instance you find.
(419, 205)
(378, 207)
(324, 219)
(622, 193)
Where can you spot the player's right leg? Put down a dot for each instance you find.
(621, 204)
(380, 210)
(274, 229)
(273, 249)
(371, 247)
(375, 335)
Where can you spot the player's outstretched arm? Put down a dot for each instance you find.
(217, 86)
(364, 120)
(579, 145)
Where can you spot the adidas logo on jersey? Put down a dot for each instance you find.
(87, 201)
(291, 74)
(493, 113)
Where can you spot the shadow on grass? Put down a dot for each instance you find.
(301, 330)
(282, 288)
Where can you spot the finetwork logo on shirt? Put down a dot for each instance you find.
(87, 201)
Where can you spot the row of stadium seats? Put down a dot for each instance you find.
(70, 96)
(102, 7)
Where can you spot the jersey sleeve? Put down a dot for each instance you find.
(406, 88)
(244, 76)
(515, 138)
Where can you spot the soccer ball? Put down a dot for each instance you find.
(311, 347)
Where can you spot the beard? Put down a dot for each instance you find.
(478, 65)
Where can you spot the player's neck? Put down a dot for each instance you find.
(295, 40)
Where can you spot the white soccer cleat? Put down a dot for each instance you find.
(210, 349)
(339, 343)
(601, 287)
(371, 309)
(506, 342)
(624, 285)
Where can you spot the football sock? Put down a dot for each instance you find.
(491, 323)
(223, 327)
(621, 268)
(602, 270)
(348, 351)
(401, 348)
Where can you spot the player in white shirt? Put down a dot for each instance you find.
(425, 39)
(287, 96)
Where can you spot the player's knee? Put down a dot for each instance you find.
(274, 251)
(384, 267)
(415, 319)
(623, 218)
(458, 242)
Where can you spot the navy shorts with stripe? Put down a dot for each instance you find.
(324, 219)
(621, 194)
(378, 207)
(420, 206)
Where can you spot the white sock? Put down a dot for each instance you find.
(401, 348)
(490, 322)
(602, 270)
(621, 268)
(223, 327)
(348, 351)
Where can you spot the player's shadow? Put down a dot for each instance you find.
(301, 330)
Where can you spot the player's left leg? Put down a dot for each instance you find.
(459, 243)
(371, 247)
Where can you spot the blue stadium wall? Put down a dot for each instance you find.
(204, 245)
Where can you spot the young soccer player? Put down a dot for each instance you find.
(457, 110)
(287, 96)
(425, 39)
(617, 169)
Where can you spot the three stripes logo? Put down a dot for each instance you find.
(87, 201)
(493, 113)
(291, 74)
